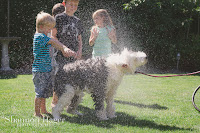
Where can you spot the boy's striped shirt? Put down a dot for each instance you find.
(42, 58)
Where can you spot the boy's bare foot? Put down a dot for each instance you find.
(39, 115)
(53, 104)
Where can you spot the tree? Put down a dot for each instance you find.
(165, 28)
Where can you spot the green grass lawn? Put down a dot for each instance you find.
(143, 104)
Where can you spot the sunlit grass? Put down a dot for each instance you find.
(143, 104)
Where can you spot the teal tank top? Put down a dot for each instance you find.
(102, 45)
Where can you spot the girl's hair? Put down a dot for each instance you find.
(44, 19)
(57, 9)
(103, 13)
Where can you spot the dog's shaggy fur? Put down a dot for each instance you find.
(101, 76)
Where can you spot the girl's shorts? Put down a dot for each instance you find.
(43, 84)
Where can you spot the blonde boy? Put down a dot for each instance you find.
(41, 67)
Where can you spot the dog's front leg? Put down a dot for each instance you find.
(63, 101)
(98, 98)
(100, 112)
(110, 108)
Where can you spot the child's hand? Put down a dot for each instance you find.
(68, 53)
(95, 32)
(111, 33)
(93, 36)
(78, 55)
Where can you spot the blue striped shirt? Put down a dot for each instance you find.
(42, 58)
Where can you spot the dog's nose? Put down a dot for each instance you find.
(146, 59)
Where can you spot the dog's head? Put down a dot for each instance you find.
(128, 61)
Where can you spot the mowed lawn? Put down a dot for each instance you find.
(143, 104)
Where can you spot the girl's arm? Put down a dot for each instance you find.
(112, 36)
(93, 36)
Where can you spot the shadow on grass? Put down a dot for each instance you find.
(11, 74)
(122, 119)
(154, 106)
(7, 74)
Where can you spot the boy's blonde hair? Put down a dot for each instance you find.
(103, 13)
(71, 1)
(44, 19)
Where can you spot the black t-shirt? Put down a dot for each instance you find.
(68, 30)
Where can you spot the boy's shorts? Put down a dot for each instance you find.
(43, 84)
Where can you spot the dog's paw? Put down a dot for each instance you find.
(104, 119)
(78, 113)
(101, 115)
(75, 112)
(57, 119)
(112, 116)
(56, 114)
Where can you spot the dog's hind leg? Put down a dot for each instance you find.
(63, 101)
(74, 104)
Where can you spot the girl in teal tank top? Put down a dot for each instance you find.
(103, 34)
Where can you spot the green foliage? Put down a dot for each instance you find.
(164, 28)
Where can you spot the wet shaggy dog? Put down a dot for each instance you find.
(101, 77)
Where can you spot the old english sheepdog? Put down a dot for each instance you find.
(99, 76)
